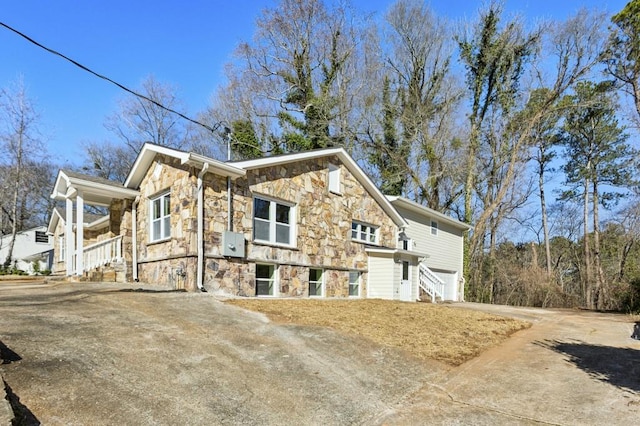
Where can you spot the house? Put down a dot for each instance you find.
(32, 250)
(307, 224)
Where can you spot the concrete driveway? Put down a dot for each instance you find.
(93, 354)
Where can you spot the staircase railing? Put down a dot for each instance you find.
(430, 283)
(102, 253)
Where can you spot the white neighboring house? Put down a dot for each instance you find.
(32, 245)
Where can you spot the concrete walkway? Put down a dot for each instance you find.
(569, 368)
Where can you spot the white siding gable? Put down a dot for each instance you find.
(445, 248)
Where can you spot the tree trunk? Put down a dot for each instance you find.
(545, 225)
(14, 229)
(14, 206)
(623, 258)
(601, 290)
(492, 265)
(587, 289)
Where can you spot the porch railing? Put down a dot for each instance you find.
(430, 283)
(102, 253)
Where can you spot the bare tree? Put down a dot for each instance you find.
(108, 160)
(415, 141)
(623, 52)
(542, 139)
(135, 122)
(300, 67)
(23, 149)
(138, 121)
(597, 155)
(575, 47)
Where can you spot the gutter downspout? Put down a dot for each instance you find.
(134, 237)
(229, 213)
(229, 201)
(200, 239)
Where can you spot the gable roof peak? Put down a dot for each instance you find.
(148, 153)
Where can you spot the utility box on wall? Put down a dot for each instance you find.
(233, 244)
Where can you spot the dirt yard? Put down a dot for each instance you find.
(423, 330)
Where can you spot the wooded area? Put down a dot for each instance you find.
(527, 131)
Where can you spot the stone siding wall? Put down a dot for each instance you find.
(164, 262)
(120, 224)
(322, 238)
(59, 266)
(178, 273)
(323, 229)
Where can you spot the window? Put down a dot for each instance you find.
(161, 217)
(42, 237)
(62, 244)
(334, 179)
(272, 222)
(265, 280)
(315, 282)
(364, 233)
(354, 283)
(404, 242)
(434, 227)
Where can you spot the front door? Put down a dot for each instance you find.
(405, 283)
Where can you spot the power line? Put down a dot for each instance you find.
(212, 129)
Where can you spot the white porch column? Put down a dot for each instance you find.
(68, 235)
(79, 234)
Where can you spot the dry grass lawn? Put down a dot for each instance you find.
(426, 331)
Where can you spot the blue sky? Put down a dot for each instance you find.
(184, 43)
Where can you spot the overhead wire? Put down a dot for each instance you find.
(212, 129)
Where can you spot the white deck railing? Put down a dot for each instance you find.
(102, 253)
(430, 283)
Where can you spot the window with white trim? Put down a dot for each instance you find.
(334, 179)
(315, 282)
(161, 217)
(273, 222)
(265, 280)
(364, 233)
(354, 283)
(434, 227)
(62, 243)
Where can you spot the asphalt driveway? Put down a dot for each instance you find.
(93, 354)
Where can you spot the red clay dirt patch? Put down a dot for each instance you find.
(425, 331)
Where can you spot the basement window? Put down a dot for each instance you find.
(315, 283)
(265, 280)
(354, 283)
